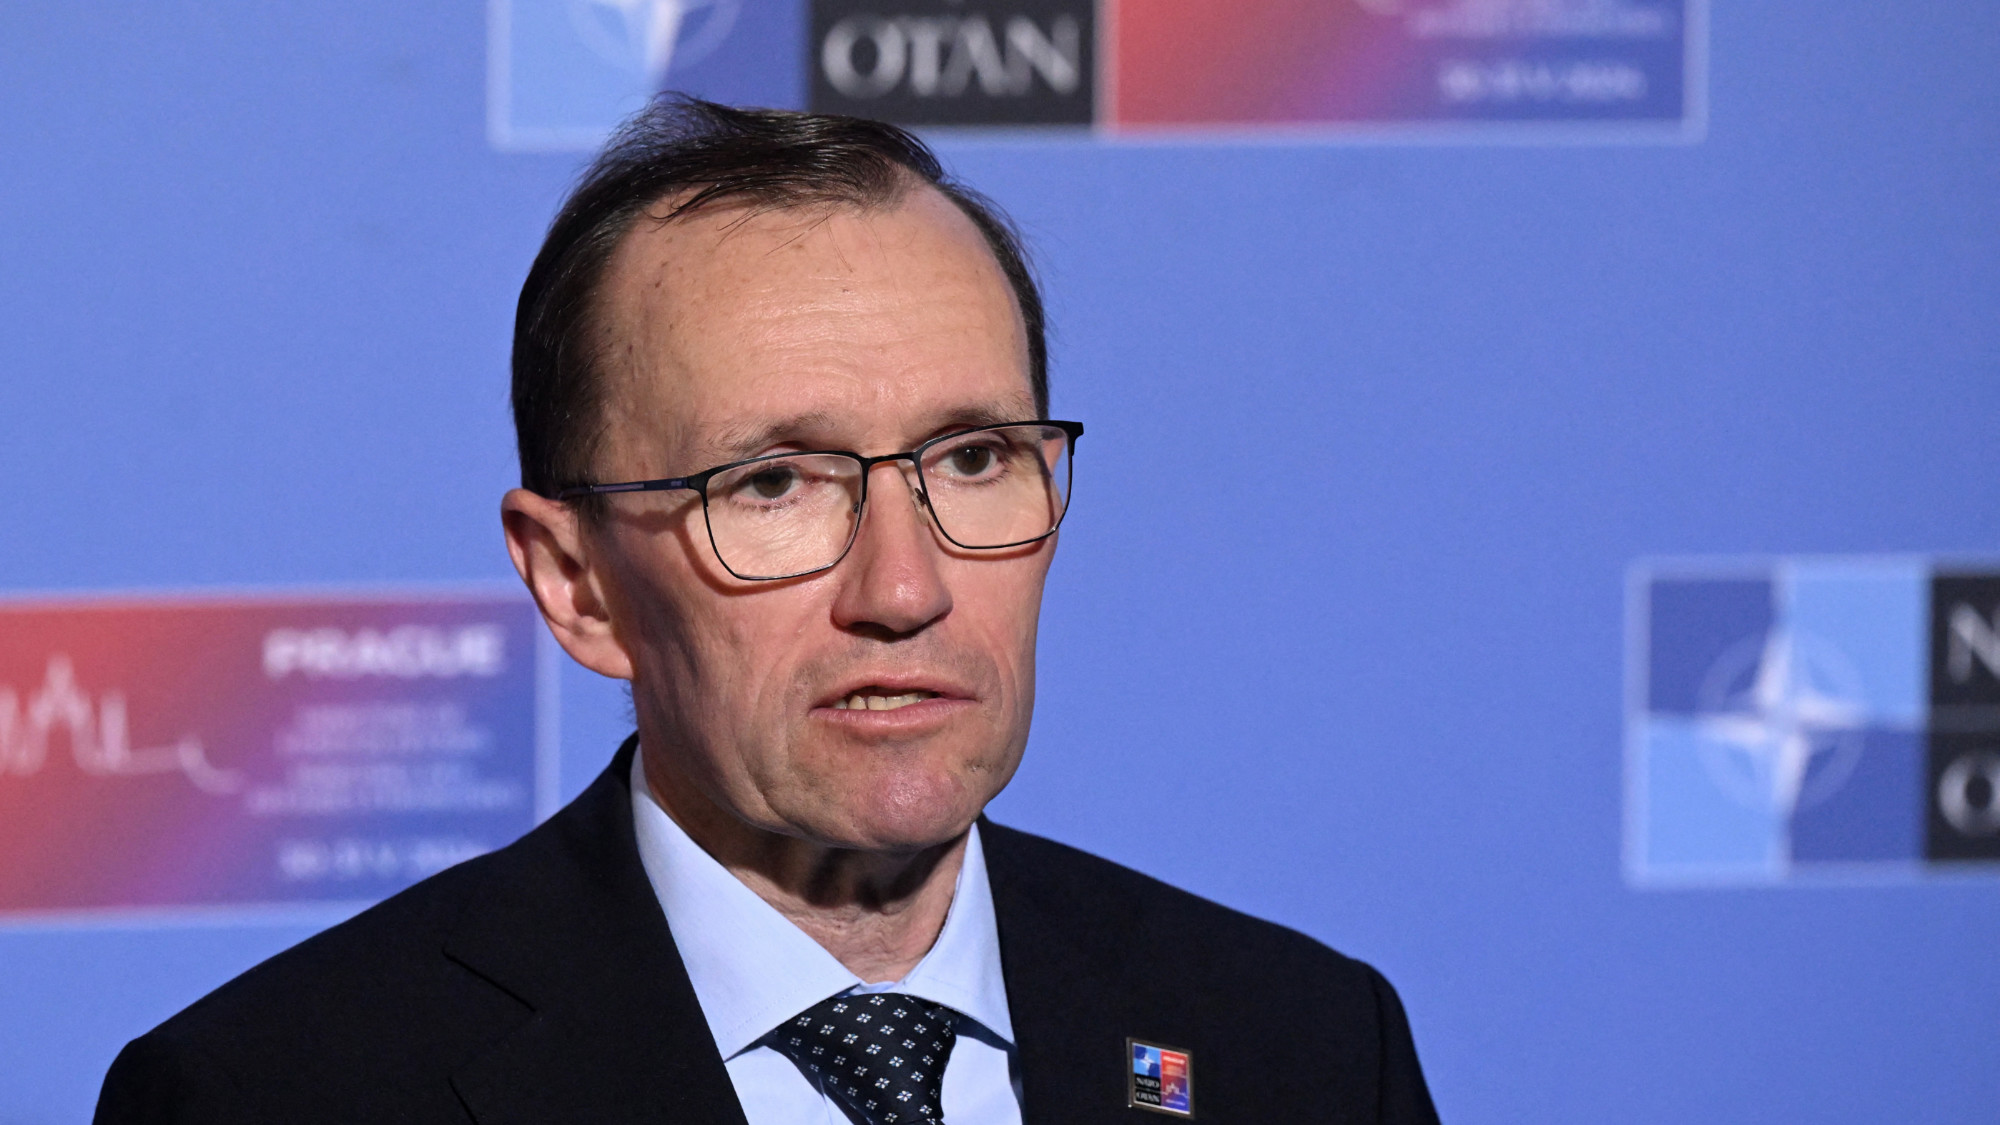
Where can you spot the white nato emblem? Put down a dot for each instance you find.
(1783, 714)
(1777, 722)
(562, 73)
(647, 37)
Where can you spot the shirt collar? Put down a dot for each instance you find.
(752, 969)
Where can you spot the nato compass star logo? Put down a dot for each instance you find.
(646, 37)
(1777, 721)
(1782, 720)
(561, 74)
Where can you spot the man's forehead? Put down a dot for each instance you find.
(752, 241)
(738, 328)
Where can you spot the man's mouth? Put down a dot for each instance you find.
(866, 700)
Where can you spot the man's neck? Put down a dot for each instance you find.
(878, 914)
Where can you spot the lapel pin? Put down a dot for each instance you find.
(1159, 1078)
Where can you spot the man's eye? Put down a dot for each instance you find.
(773, 483)
(971, 460)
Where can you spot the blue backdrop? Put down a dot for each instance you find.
(1358, 671)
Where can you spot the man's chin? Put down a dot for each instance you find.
(900, 816)
(903, 836)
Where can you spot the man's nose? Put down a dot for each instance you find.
(891, 580)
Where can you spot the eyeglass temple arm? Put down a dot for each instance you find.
(665, 484)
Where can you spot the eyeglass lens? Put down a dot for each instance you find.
(793, 514)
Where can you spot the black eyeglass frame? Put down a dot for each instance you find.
(698, 482)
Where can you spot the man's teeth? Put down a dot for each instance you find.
(861, 701)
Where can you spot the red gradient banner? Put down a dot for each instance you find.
(1179, 65)
(164, 752)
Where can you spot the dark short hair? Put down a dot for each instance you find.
(713, 154)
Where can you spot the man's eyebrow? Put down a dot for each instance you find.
(738, 442)
(986, 415)
(747, 440)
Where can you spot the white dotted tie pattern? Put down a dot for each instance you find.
(880, 1056)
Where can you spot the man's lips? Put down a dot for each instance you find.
(897, 715)
(893, 695)
(871, 701)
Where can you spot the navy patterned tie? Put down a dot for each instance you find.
(880, 1056)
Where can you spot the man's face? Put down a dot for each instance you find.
(735, 334)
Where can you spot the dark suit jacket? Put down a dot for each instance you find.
(540, 984)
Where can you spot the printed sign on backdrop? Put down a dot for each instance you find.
(936, 62)
(177, 752)
(562, 73)
(1376, 65)
(1812, 718)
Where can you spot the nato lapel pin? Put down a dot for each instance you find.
(1159, 1078)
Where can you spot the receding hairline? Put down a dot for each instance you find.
(736, 211)
(689, 204)
(688, 200)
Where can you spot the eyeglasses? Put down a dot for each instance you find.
(791, 514)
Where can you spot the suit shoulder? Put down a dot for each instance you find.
(382, 938)
(1134, 913)
(356, 983)
(375, 995)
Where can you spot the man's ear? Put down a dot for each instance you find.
(546, 541)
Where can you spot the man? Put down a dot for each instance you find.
(781, 396)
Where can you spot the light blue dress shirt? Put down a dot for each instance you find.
(752, 969)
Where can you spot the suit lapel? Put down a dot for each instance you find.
(567, 924)
(1059, 955)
